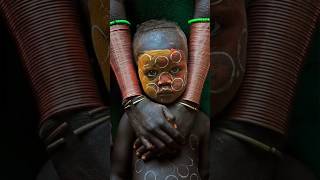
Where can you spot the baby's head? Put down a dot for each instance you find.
(161, 52)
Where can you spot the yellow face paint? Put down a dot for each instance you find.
(163, 74)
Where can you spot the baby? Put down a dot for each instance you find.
(161, 53)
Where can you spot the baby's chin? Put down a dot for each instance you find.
(165, 98)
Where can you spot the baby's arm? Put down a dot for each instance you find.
(122, 152)
(204, 147)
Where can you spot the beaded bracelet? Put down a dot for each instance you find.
(198, 20)
(119, 21)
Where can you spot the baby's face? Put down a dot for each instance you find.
(163, 74)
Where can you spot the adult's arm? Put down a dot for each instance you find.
(148, 119)
(278, 41)
(198, 67)
(52, 49)
(199, 53)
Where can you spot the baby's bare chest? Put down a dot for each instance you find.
(184, 165)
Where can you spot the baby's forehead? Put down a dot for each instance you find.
(159, 39)
(165, 56)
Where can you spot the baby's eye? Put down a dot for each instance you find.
(175, 70)
(152, 73)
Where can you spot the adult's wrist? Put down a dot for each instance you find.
(121, 60)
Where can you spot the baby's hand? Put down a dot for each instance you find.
(143, 153)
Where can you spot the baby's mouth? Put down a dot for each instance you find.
(165, 92)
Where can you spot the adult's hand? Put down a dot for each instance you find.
(85, 148)
(184, 119)
(152, 124)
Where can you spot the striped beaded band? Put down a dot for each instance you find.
(197, 20)
(119, 21)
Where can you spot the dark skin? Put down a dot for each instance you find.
(228, 54)
(192, 160)
(82, 156)
(126, 165)
(147, 119)
(232, 157)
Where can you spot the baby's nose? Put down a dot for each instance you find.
(165, 79)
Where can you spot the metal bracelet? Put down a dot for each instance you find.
(189, 106)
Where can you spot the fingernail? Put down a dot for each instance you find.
(143, 158)
(137, 153)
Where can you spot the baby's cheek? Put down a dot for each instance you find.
(151, 89)
(149, 86)
(177, 84)
(179, 81)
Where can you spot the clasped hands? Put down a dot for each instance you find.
(159, 129)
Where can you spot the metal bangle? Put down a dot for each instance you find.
(189, 106)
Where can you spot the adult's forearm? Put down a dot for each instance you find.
(199, 53)
(280, 33)
(121, 58)
(53, 51)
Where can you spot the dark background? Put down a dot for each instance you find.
(22, 152)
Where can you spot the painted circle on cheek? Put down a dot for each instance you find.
(177, 84)
(152, 89)
(176, 56)
(162, 61)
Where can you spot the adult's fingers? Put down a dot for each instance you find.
(141, 150)
(137, 143)
(168, 115)
(172, 132)
(156, 142)
(146, 143)
(166, 139)
(146, 156)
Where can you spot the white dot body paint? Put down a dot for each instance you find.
(194, 176)
(165, 73)
(193, 141)
(229, 81)
(176, 52)
(149, 59)
(159, 63)
(139, 166)
(171, 177)
(154, 87)
(150, 175)
(183, 171)
(176, 81)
